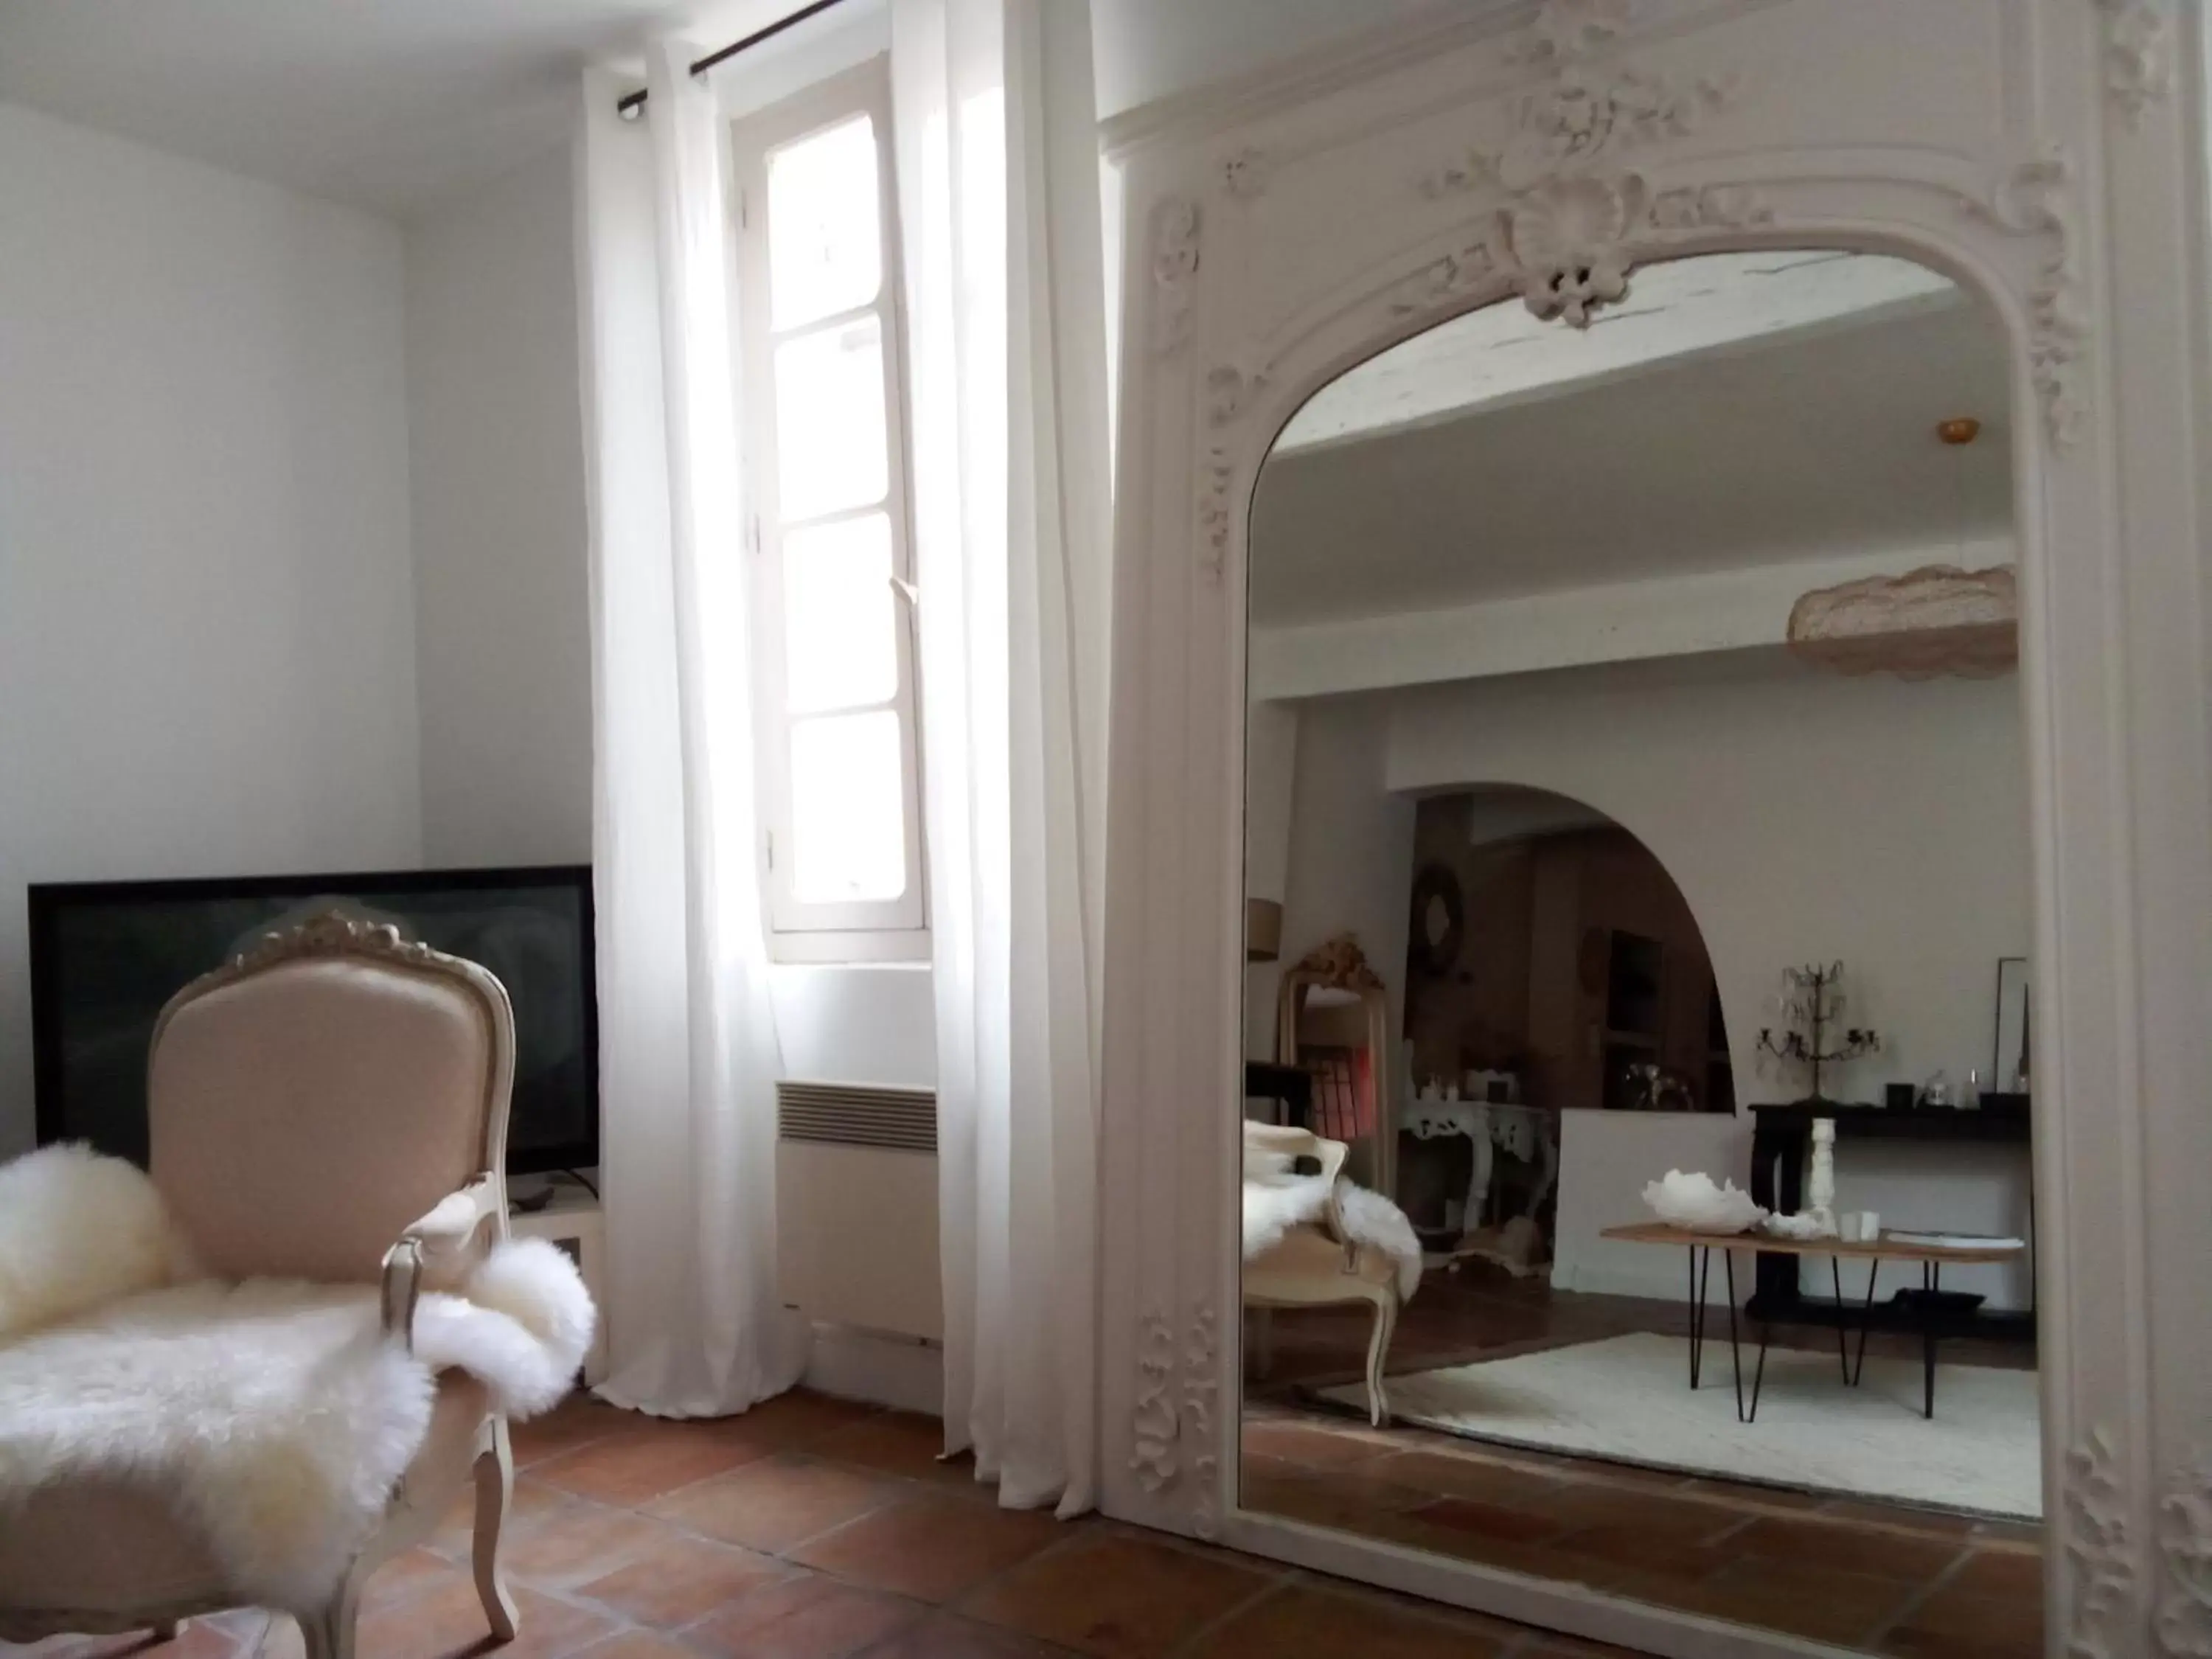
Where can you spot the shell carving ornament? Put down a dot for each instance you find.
(1563, 233)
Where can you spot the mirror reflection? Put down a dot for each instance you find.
(1637, 1182)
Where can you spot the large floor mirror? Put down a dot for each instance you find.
(1639, 907)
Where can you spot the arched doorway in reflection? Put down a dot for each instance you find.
(1552, 965)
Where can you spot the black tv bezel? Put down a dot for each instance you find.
(46, 900)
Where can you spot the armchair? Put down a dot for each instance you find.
(329, 1106)
(1322, 1262)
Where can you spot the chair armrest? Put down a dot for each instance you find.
(451, 1224)
(1330, 1156)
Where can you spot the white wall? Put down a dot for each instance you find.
(206, 613)
(1350, 858)
(496, 431)
(1805, 816)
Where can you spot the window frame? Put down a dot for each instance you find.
(876, 930)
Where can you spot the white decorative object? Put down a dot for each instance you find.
(1693, 1202)
(1806, 1224)
(1934, 621)
(1820, 1185)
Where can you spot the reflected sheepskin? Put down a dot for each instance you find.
(1278, 1199)
(277, 1412)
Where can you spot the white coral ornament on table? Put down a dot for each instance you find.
(1694, 1203)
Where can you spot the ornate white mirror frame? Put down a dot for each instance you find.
(2048, 155)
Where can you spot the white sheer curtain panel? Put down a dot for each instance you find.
(999, 194)
(687, 1038)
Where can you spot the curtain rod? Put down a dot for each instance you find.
(631, 103)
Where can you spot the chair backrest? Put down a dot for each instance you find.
(309, 1100)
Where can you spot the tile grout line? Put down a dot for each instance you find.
(1270, 1585)
(1912, 1604)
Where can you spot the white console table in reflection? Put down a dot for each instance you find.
(1528, 1133)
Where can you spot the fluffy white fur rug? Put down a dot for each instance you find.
(1277, 1199)
(278, 1413)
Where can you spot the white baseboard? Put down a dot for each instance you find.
(1593, 1278)
(899, 1372)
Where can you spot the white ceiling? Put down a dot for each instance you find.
(385, 103)
(1793, 446)
(1717, 302)
(392, 105)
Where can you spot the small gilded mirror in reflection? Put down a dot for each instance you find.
(1608, 689)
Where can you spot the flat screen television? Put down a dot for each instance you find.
(106, 957)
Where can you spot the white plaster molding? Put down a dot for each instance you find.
(1231, 388)
(1175, 1429)
(1567, 31)
(1202, 1426)
(2138, 56)
(1214, 517)
(2185, 1548)
(1154, 1423)
(2035, 199)
(1176, 255)
(1244, 172)
(2102, 1558)
(1745, 609)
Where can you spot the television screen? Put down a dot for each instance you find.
(106, 957)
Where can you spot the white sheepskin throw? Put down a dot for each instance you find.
(77, 1229)
(277, 1415)
(1277, 1199)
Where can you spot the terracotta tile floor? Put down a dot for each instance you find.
(810, 1529)
(1880, 1576)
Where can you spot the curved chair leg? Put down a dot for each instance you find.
(327, 1633)
(1378, 1349)
(495, 1473)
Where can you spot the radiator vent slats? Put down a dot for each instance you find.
(857, 1115)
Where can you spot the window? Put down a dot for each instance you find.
(825, 446)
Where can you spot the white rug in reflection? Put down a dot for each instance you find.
(1628, 1399)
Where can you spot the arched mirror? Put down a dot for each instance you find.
(1636, 705)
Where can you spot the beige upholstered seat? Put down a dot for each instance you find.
(310, 1105)
(1318, 1265)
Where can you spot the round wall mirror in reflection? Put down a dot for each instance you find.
(1633, 740)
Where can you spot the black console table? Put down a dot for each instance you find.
(1782, 1143)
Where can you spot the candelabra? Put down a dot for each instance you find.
(1813, 1004)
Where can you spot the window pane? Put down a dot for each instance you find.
(846, 808)
(830, 448)
(841, 640)
(823, 222)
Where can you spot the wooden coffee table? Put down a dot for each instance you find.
(1932, 1259)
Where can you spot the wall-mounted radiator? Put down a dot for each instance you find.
(856, 1206)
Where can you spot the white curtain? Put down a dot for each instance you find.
(687, 1037)
(999, 185)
